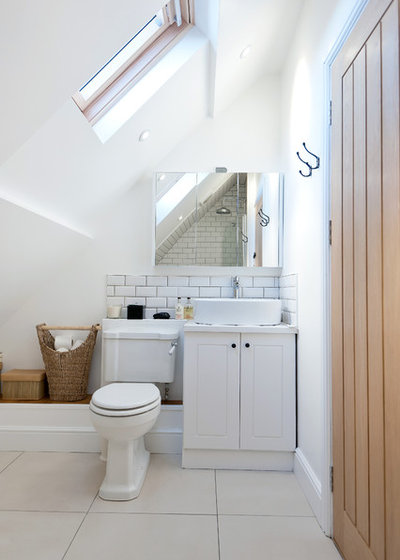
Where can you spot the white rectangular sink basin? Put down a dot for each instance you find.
(241, 311)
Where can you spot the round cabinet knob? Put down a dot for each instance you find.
(233, 345)
(247, 345)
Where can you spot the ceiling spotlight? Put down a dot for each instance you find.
(144, 135)
(245, 52)
(161, 177)
(180, 218)
(223, 210)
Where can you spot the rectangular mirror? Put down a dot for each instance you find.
(218, 219)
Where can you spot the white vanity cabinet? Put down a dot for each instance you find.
(239, 390)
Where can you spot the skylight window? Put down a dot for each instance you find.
(118, 60)
(103, 90)
(170, 200)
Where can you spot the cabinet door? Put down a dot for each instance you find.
(267, 392)
(211, 390)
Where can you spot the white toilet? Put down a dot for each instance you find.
(135, 354)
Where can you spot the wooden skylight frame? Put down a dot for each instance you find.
(131, 71)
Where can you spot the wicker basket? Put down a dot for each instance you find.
(67, 372)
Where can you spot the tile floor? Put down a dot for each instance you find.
(49, 510)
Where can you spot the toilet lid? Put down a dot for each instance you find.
(125, 396)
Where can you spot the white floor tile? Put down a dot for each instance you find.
(273, 538)
(7, 457)
(36, 536)
(260, 493)
(51, 482)
(168, 489)
(105, 536)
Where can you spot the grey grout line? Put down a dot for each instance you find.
(151, 513)
(13, 461)
(74, 512)
(266, 515)
(216, 507)
(80, 525)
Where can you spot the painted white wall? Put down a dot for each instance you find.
(72, 289)
(303, 120)
(50, 49)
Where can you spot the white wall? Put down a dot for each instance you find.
(304, 118)
(72, 290)
(50, 49)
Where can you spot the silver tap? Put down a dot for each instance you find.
(236, 286)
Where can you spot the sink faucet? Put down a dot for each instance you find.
(236, 286)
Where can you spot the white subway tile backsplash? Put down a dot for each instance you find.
(135, 301)
(188, 292)
(156, 280)
(156, 302)
(125, 291)
(146, 291)
(135, 280)
(289, 293)
(178, 281)
(210, 292)
(246, 281)
(289, 305)
(199, 281)
(252, 292)
(167, 292)
(115, 301)
(271, 293)
(222, 281)
(264, 282)
(159, 293)
(115, 280)
(289, 280)
(149, 312)
(226, 292)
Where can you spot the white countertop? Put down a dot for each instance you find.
(283, 328)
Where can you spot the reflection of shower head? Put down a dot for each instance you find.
(223, 210)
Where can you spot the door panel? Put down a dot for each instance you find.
(267, 401)
(366, 288)
(211, 391)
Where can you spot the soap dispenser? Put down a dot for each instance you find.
(179, 312)
(188, 310)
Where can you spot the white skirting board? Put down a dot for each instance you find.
(237, 459)
(67, 427)
(309, 482)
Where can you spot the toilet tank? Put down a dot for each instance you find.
(138, 351)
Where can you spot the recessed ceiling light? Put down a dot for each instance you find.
(162, 177)
(180, 218)
(245, 52)
(144, 135)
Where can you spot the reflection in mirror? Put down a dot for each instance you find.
(219, 219)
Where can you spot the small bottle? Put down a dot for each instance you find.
(188, 311)
(179, 312)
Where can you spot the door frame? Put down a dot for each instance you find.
(326, 494)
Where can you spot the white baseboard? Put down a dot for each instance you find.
(309, 482)
(67, 427)
(237, 459)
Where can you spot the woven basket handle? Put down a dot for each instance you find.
(58, 328)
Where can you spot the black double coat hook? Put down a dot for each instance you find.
(309, 166)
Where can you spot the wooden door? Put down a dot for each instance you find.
(366, 288)
(211, 390)
(267, 392)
